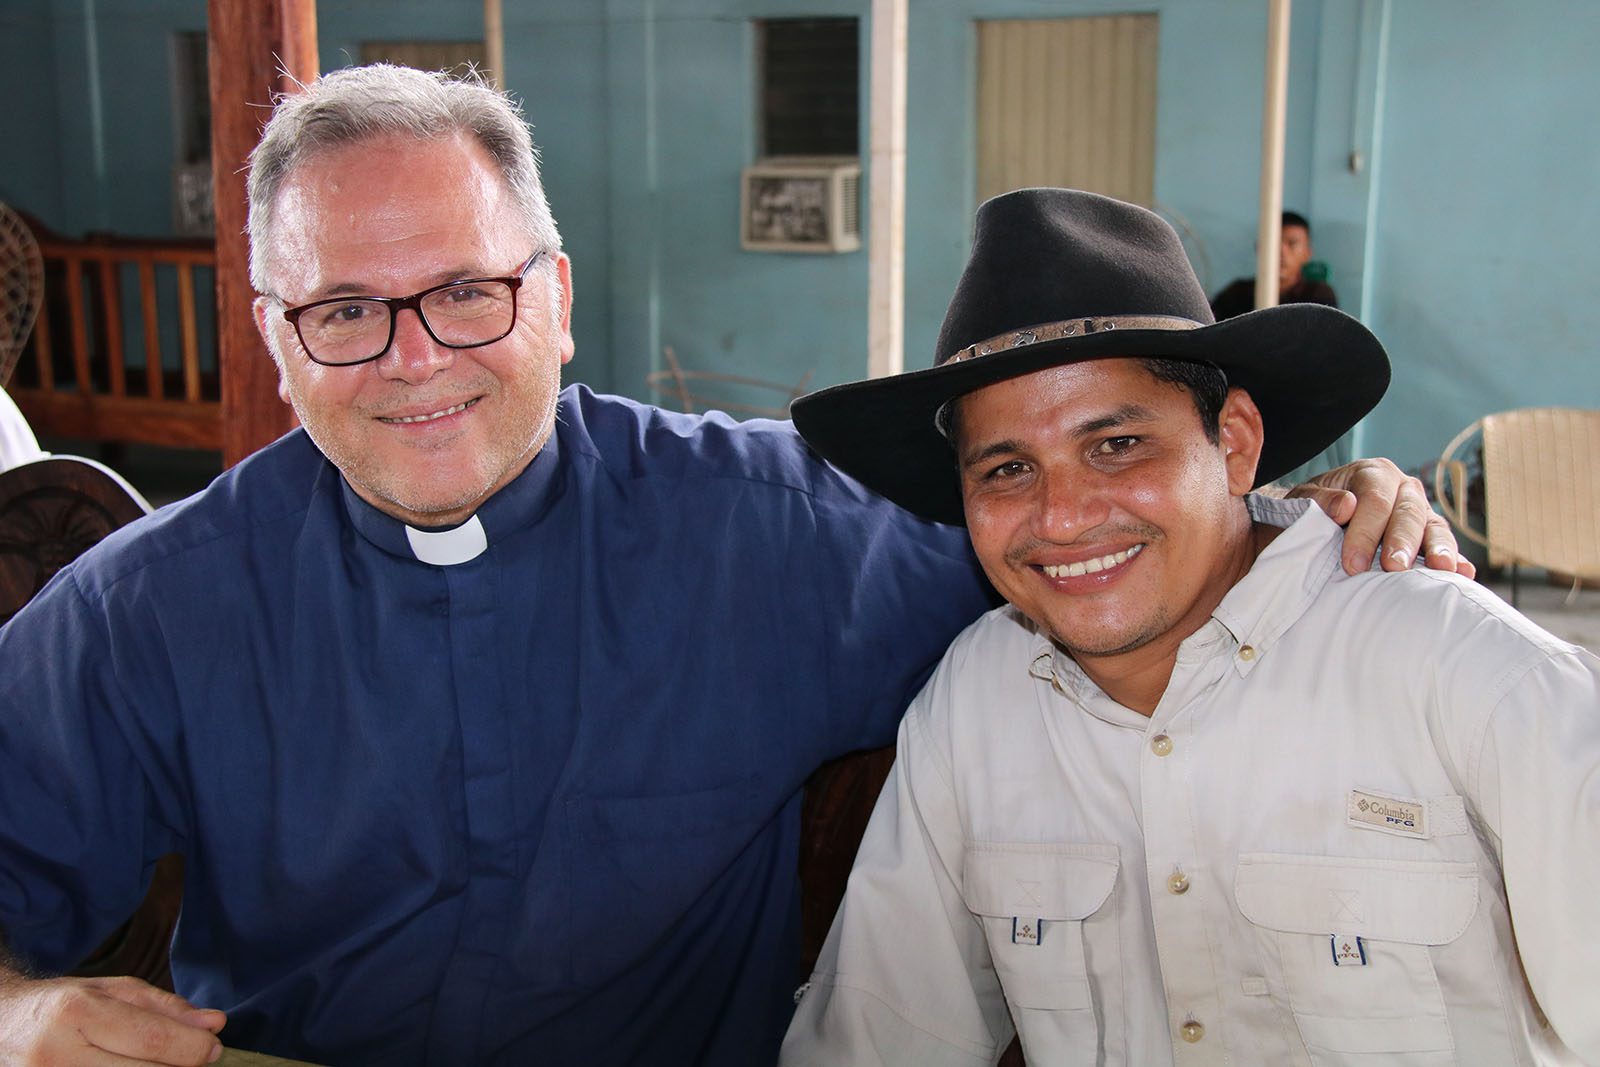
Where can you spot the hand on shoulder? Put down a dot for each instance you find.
(1381, 506)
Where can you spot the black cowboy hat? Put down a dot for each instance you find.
(1058, 276)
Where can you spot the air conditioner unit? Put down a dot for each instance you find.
(801, 204)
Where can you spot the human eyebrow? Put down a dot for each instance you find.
(443, 277)
(462, 274)
(1114, 420)
(333, 292)
(1127, 415)
(991, 451)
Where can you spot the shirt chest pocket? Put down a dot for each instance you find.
(1053, 940)
(1352, 941)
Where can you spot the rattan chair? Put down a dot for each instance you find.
(21, 287)
(1541, 489)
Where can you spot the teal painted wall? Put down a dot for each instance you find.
(30, 164)
(1487, 224)
(1463, 117)
(88, 130)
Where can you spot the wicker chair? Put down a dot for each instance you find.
(1541, 489)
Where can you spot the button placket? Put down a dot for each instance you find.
(1174, 853)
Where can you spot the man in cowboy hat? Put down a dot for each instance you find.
(1145, 814)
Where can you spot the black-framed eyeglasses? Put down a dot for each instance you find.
(347, 330)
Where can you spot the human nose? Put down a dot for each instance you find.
(413, 356)
(1065, 506)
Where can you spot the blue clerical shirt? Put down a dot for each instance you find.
(539, 806)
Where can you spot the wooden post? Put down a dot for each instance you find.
(1273, 110)
(257, 48)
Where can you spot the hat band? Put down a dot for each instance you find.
(1055, 331)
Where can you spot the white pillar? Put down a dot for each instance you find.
(886, 233)
(1273, 111)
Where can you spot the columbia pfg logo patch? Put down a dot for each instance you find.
(1405, 816)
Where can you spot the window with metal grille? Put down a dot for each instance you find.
(810, 86)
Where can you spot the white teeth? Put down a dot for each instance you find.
(434, 415)
(1092, 566)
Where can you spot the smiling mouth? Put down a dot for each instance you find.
(1091, 566)
(431, 416)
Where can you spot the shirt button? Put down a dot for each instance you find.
(1247, 652)
(1161, 744)
(1192, 1031)
(1178, 884)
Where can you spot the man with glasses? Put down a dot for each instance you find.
(479, 710)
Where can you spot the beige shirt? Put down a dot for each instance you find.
(1313, 852)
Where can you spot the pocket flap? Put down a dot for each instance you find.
(1039, 881)
(1412, 901)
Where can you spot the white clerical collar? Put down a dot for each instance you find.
(446, 548)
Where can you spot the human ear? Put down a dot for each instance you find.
(259, 308)
(564, 275)
(1240, 436)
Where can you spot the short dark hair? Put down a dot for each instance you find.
(1205, 383)
(1294, 218)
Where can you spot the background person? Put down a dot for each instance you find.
(1294, 252)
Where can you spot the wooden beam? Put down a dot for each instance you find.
(257, 48)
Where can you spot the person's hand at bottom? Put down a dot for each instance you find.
(102, 1022)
